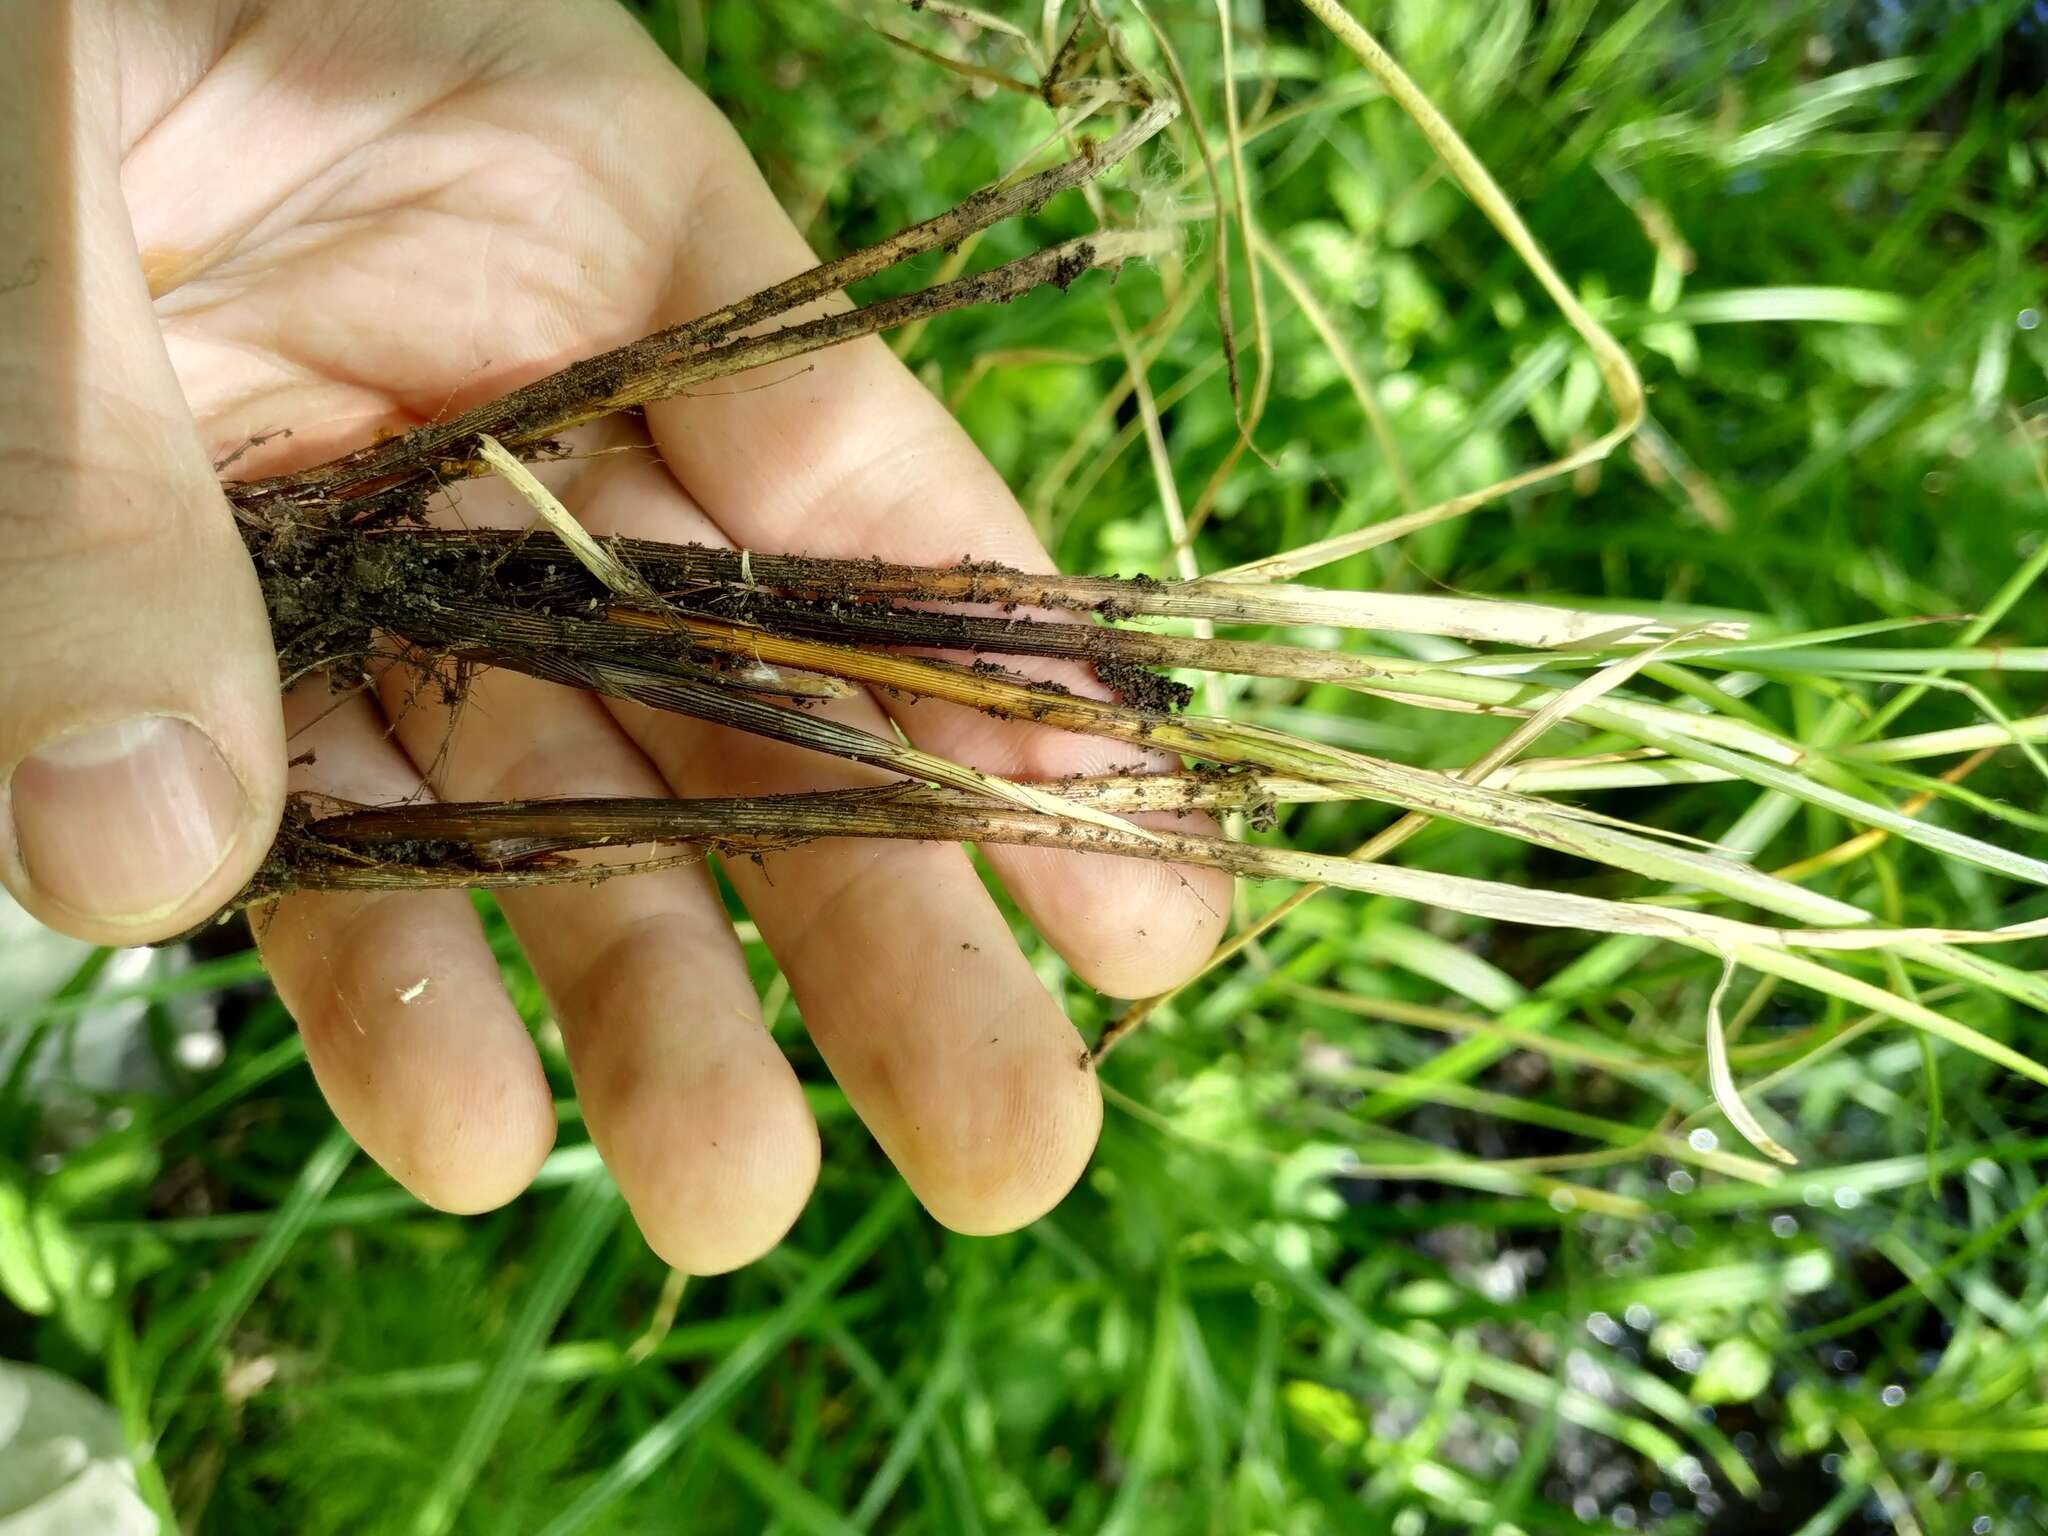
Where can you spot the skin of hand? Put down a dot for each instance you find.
(223, 218)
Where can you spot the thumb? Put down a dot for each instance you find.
(141, 740)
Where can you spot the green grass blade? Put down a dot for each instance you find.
(587, 1215)
(794, 1505)
(223, 1305)
(653, 1448)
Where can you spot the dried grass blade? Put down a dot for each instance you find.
(723, 706)
(1722, 1080)
(908, 813)
(1231, 743)
(1624, 385)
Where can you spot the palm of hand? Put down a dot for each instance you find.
(358, 218)
(353, 219)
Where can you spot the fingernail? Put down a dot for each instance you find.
(126, 821)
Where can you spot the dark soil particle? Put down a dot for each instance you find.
(1143, 688)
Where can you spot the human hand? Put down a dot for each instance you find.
(223, 218)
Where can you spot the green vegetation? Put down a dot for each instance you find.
(1402, 1221)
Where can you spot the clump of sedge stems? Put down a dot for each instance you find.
(744, 639)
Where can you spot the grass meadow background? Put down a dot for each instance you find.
(1401, 1222)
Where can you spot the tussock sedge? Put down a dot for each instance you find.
(353, 572)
